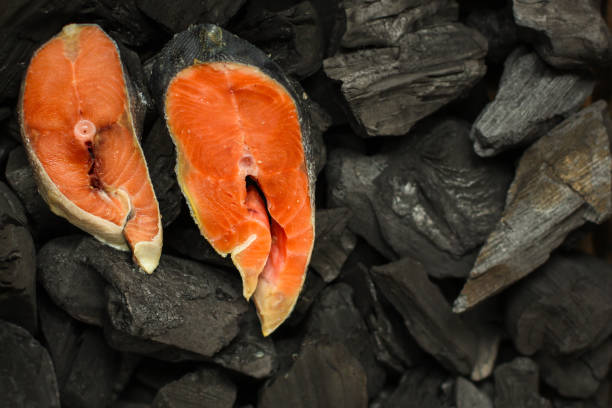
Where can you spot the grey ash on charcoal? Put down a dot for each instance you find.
(464, 171)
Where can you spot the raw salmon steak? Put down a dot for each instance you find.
(244, 164)
(78, 126)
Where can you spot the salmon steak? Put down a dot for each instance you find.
(244, 160)
(78, 126)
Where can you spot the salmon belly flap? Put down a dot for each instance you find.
(242, 169)
(78, 129)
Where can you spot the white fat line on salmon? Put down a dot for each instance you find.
(244, 245)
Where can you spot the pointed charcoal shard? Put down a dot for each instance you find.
(566, 33)
(390, 89)
(427, 314)
(517, 385)
(562, 181)
(384, 23)
(205, 388)
(27, 378)
(563, 308)
(577, 376)
(333, 243)
(323, 375)
(532, 99)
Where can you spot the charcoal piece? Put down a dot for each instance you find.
(320, 122)
(205, 388)
(430, 197)
(562, 181)
(11, 209)
(15, 52)
(390, 89)
(249, 353)
(313, 285)
(420, 387)
(469, 396)
(323, 375)
(61, 334)
(335, 318)
(333, 242)
(183, 304)
(73, 286)
(184, 237)
(92, 373)
(161, 158)
(384, 23)
(563, 308)
(427, 314)
(292, 37)
(576, 376)
(517, 385)
(499, 29)
(532, 99)
(127, 366)
(566, 33)
(17, 273)
(21, 179)
(562, 403)
(26, 371)
(124, 342)
(178, 15)
(6, 146)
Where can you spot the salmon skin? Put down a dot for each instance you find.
(79, 120)
(245, 160)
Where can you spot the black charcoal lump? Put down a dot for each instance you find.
(532, 99)
(517, 385)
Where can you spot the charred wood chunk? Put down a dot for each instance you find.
(467, 395)
(564, 307)
(532, 99)
(566, 33)
(427, 314)
(184, 238)
(335, 318)
(26, 371)
(11, 209)
(74, 287)
(292, 37)
(333, 242)
(204, 388)
(178, 15)
(384, 23)
(517, 385)
(562, 181)
(161, 159)
(431, 198)
(498, 27)
(323, 375)
(576, 376)
(420, 387)
(390, 89)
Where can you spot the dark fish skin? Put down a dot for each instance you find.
(211, 43)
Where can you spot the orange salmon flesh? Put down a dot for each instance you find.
(231, 122)
(79, 133)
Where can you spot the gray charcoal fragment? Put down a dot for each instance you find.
(333, 242)
(323, 375)
(26, 371)
(427, 314)
(292, 37)
(186, 240)
(178, 15)
(334, 318)
(161, 158)
(565, 33)
(250, 353)
(92, 373)
(565, 307)
(517, 385)
(576, 376)
(562, 181)
(532, 99)
(498, 27)
(21, 179)
(390, 89)
(469, 396)
(11, 209)
(205, 388)
(17, 274)
(73, 286)
(420, 387)
(384, 23)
